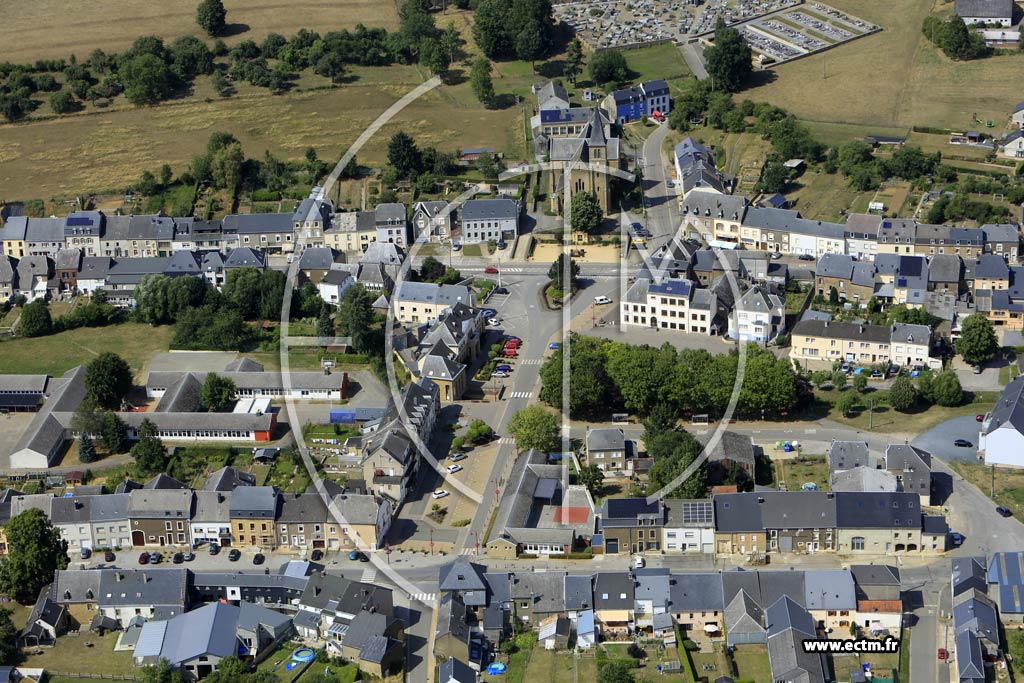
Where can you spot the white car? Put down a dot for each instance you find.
(601, 300)
(493, 322)
(452, 469)
(499, 374)
(458, 456)
(440, 493)
(639, 562)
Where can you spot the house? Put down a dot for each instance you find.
(1017, 116)
(912, 467)
(351, 231)
(252, 512)
(608, 449)
(46, 622)
(848, 455)
(818, 343)
(716, 217)
(1001, 440)
(159, 517)
(676, 304)
(985, 12)
(489, 220)
(372, 640)
(36, 277)
(695, 168)
(697, 603)
(1002, 239)
(738, 526)
(124, 594)
(316, 262)
(689, 526)
(788, 625)
(632, 104)
(363, 520)
(391, 221)
(864, 479)
(552, 95)
(228, 479)
(195, 643)
(425, 302)
(759, 316)
(433, 219)
(455, 671)
(210, 521)
(108, 521)
(1006, 581)
(1012, 146)
(8, 277)
(554, 632)
(631, 525)
(853, 280)
(911, 346)
(731, 451)
(311, 217)
(334, 283)
(614, 602)
(271, 232)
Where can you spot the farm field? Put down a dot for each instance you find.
(57, 28)
(58, 353)
(894, 78)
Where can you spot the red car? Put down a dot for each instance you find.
(943, 654)
(491, 270)
(979, 418)
(511, 353)
(513, 342)
(144, 558)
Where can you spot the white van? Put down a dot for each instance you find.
(602, 300)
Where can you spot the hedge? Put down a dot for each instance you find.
(265, 195)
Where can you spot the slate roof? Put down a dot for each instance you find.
(1006, 573)
(579, 592)
(864, 479)
(461, 575)
(847, 455)
(737, 512)
(984, 9)
(691, 592)
(842, 330)
(256, 502)
(877, 510)
(254, 223)
(606, 439)
(489, 209)
(155, 587)
(913, 464)
(1009, 409)
(228, 479)
(613, 591)
(829, 589)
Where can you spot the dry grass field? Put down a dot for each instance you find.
(57, 28)
(894, 78)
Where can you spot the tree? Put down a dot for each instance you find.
(86, 449)
(977, 342)
(479, 432)
(331, 65)
(218, 393)
(833, 296)
(190, 57)
(592, 477)
(147, 79)
(661, 418)
(947, 390)
(404, 155)
(557, 272)
(242, 290)
(433, 57)
(609, 67)
(149, 452)
(673, 452)
(226, 167)
(847, 402)
(211, 16)
(529, 43)
(615, 671)
(161, 672)
(63, 102)
(573, 65)
(535, 427)
(839, 379)
(586, 214)
(324, 323)
(729, 60)
(88, 418)
(114, 433)
(902, 394)
(481, 81)
(491, 28)
(35, 550)
(355, 315)
(431, 269)
(9, 654)
(821, 377)
(108, 379)
(35, 320)
(774, 176)
(860, 382)
(452, 42)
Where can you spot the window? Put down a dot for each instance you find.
(857, 543)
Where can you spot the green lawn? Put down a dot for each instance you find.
(885, 419)
(58, 353)
(1008, 483)
(87, 653)
(558, 667)
(803, 469)
(752, 663)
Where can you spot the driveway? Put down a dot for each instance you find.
(939, 439)
(988, 380)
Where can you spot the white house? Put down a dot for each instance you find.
(486, 220)
(759, 316)
(1002, 433)
(689, 526)
(1012, 146)
(433, 219)
(988, 12)
(333, 285)
(1017, 117)
(910, 346)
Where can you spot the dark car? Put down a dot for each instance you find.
(962, 443)
(177, 558)
(109, 556)
(144, 558)
(363, 557)
(234, 554)
(155, 558)
(86, 553)
(189, 556)
(316, 555)
(958, 539)
(806, 257)
(501, 290)
(258, 558)
(214, 548)
(1004, 511)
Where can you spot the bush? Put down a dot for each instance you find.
(265, 195)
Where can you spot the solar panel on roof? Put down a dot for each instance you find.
(79, 220)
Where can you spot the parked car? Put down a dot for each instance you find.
(363, 557)
(178, 558)
(976, 369)
(189, 556)
(501, 290)
(1004, 511)
(503, 367)
(440, 493)
(511, 353)
(502, 245)
(493, 322)
(491, 270)
(86, 553)
(109, 556)
(235, 554)
(639, 562)
(354, 555)
(775, 256)
(512, 344)
(958, 539)
(979, 418)
(259, 558)
(962, 443)
(458, 456)
(155, 558)
(214, 548)
(943, 654)
(316, 555)
(554, 346)
(144, 558)
(490, 313)
(456, 246)
(452, 469)
(806, 257)
(877, 374)
(498, 374)
(637, 226)
(601, 300)
(846, 367)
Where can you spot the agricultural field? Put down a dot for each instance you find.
(51, 28)
(894, 78)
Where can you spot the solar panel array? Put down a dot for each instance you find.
(698, 513)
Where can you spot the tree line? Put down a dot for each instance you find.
(954, 38)
(608, 376)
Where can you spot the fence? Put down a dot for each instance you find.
(78, 674)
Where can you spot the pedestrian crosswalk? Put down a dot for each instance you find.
(427, 598)
(513, 270)
(521, 394)
(369, 575)
(506, 440)
(532, 361)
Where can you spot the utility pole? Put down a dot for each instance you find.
(871, 412)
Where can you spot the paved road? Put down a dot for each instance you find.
(694, 58)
